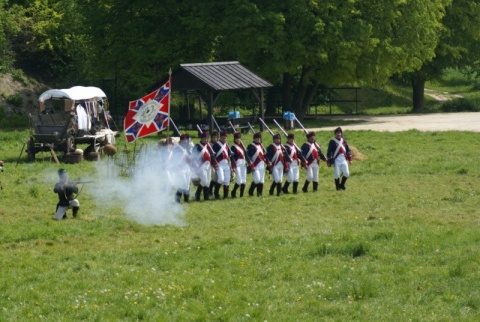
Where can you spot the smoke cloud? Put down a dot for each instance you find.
(142, 186)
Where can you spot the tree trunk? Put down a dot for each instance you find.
(418, 87)
(287, 92)
(301, 93)
(309, 95)
(270, 106)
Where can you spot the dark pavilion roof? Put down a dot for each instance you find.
(218, 76)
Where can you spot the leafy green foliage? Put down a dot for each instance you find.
(458, 45)
(6, 28)
(461, 105)
(126, 46)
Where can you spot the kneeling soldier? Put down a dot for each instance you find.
(66, 200)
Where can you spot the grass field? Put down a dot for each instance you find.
(401, 243)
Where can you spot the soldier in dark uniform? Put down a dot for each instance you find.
(239, 163)
(66, 200)
(276, 159)
(339, 156)
(312, 154)
(256, 153)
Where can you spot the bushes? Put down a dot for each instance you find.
(461, 105)
(10, 120)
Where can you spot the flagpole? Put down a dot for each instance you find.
(169, 98)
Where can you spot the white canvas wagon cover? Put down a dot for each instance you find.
(75, 93)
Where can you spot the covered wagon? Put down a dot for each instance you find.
(69, 117)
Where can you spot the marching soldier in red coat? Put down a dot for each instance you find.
(312, 154)
(256, 153)
(339, 156)
(213, 140)
(239, 163)
(295, 155)
(202, 158)
(276, 159)
(222, 158)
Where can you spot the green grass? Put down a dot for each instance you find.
(401, 243)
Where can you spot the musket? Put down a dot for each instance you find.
(233, 127)
(199, 129)
(299, 152)
(82, 181)
(266, 126)
(175, 126)
(216, 124)
(251, 127)
(301, 125)
(241, 143)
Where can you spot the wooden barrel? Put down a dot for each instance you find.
(73, 158)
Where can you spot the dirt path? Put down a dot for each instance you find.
(422, 122)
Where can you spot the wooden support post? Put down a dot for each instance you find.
(54, 155)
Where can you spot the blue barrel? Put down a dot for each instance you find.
(288, 116)
(234, 115)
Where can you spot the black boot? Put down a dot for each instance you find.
(234, 191)
(206, 193)
(251, 190)
(285, 187)
(186, 196)
(337, 184)
(178, 195)
(211, 187)
(342, 184)
(242, 189)
(272, 188)
(295, 187)
(279, 188)
(315, 186)
(225, 192)
(198, 193)
(75, 211)
(217, 190)
(259, 189)
(305, 186)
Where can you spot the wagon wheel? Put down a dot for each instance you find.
(31, 150)
(70, 145)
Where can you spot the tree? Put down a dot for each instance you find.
(137, 42)
(7, 28)
(305, 44)
(458, 46)
(49, 38)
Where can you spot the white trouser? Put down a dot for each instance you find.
(205, 174)
(340, 164)
(312, 171)
(258, 173)
(241, 171)
(62, 210)
(181, 178)
(277, 172)
(223, 172)
(293, 174)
